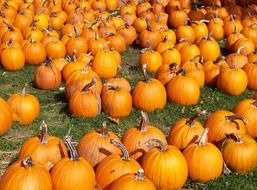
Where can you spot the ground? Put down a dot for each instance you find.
(55, 112)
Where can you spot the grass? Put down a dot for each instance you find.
(55, 112)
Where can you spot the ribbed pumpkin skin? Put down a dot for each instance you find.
(94, 147)
(251, 71)
(70, 174)
(5, 117)
(204, 162)
(12, 58)
(240, 157)
(25, 108)
(112, 167)
(149, 96)
(46, 154)
(129, 182)
(31, 178)
(183, 90)
(121, 82)
(156, 164)
(248, 109)
(219, 126)
(181, 134)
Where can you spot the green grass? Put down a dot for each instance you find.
(55, 112)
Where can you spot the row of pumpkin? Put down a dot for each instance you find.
(143, 157)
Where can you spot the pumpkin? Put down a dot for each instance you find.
(135, 137)
(85, 102)
(132, 181)
(248, 109)
(5, 117)
(12, 57)
(184, 131)
(60, 63)
(232, 38)
(231, 24)
(250, 70)
(232, 81)
(129, 34)
(177, 18)
(150, 57)
(239, 153)
(114, 166)
(149, 36)
(117, 42)
(194, 69)
(224, 122)
(12, 33)
(248, 45)
(216, 25)
(252, 57)
(55, 49)
(116, 101)
(204, 160)
(76, 44)
(209, 48)
(157, 161)
(27, 175)
(200, 29)
(105, 64)
(25, 107)
(171, 55)
(33, 48)
(185, 32)
(47, 76)
(251, 32)
(168, 35)
(79, 78)
(166, 72)
(183, 90)
(188, 52)
(144, 94)
(75, 171)
(95, 145)
(44, 149)
(140, 24)
(237, 58)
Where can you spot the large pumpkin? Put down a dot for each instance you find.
(157, 161)
(204, 160)
(184, 131)
(248, 109)
(149, 94)
(94, 146)
(135, 138)
(114, 166)
(45, 149)
(5, 116)
(224, 122)
(25, 107)
(240, 153)
(73, 172)
(27, 175)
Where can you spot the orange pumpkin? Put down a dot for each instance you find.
(151, 58)
(5, 117)
(251, 69)
(238, 59)
(166, 72)
(55, 49)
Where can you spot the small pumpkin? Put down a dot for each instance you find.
(55, 49)
(204, 160)
(250, 70)
(185, 32)
(171, 55)
(166, 72)
(135, 137)
(6, 118)
(237, 58)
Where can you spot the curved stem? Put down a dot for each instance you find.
(76, 31)
(198, 56)
(112, 86)
(140, 175)
(232, 118)
(44, 133)
(125, 153)
(202, 140)
(73, 152)
(27, 162)
(254, 104)
(210, 35)
(144, 122)
(147, 78)
(239, 49)
(150, 143)
(104, 130)
(235, 137)
(192, 119)
(149, 27)
(87, 86)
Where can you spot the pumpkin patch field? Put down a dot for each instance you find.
(126, 94)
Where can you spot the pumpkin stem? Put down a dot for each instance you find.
(235, 137)
(149, 27)
(140, 175)
(27, 162)
(192, 119)
(87, 86)
(44, 133)
(2, 14)
(254, 104)
(239, 49)
(10, 27)
(76, 31)
(125, 153)
(23, 92)
(160, 144)
(104, 130)
(112, 86)
(147, 78)
(198, 56)
(144, 122)
(73, 152)
(210, 35)
(232, 118)
(202, 140)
